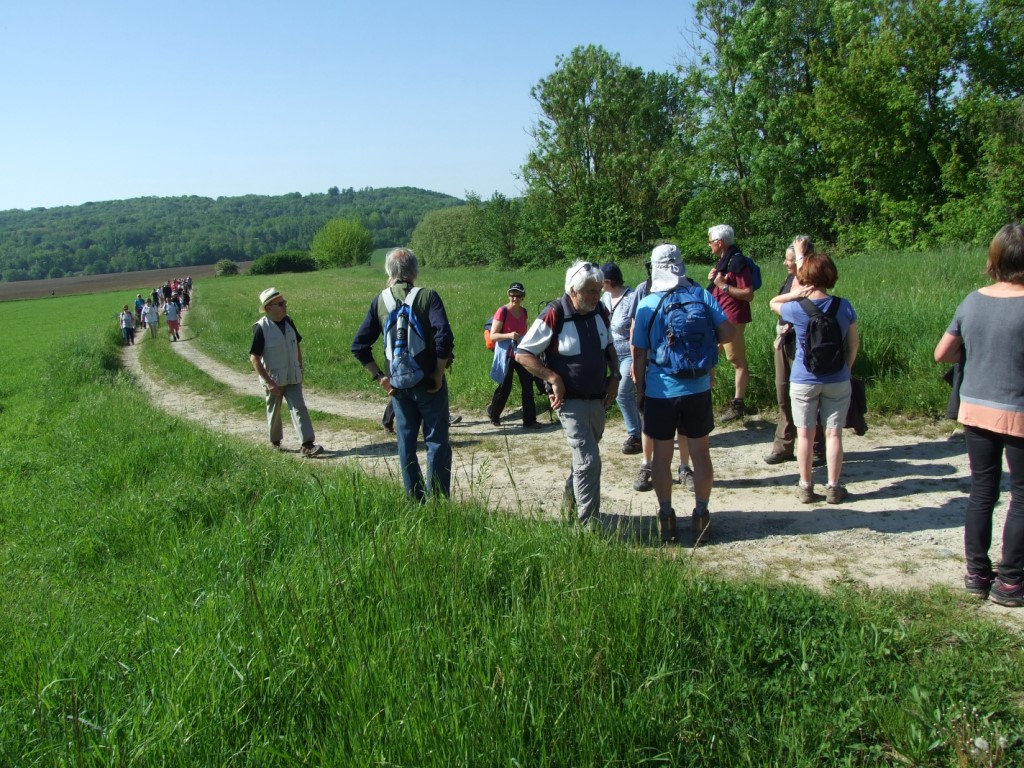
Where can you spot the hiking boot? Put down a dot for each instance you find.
(533, 425)
(1010, 595)
(310, 450)
(834, 494)
(684, 477)
(978, 584)
(667, 523)
(701, 526)
(569, 497)
(632, 446)
(644, 481)
(778, 457)
(805, 493)
(735, 411)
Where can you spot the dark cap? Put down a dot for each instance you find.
(517, 288)
(612, 272)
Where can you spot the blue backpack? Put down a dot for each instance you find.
(403, 340)
(690, 348)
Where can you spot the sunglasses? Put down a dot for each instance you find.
(281, 303)
(586, 265)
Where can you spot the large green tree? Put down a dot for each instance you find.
(442, 238)
(342, 243)
(604, 156)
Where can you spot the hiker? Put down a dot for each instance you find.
(569, 346)
(276, 356)
(151, 316)
(507, 327)
(620, 303)
(418, 345)
(139, 304)
(676, 335)
(819, 383)
(988, 326)
(126, 321)
(732, 286)
(784, 352)
(173, 314)
(644, 476)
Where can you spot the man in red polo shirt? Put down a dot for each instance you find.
(731, 283)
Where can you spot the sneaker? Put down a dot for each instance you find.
(1010, 595)
(778, 457)
(311, 450)
(735, 411)
(632, 446)
(805, 493)
(701, 526)
(453, 420)
(667, 524)
(684, 477)
(835, 493)
(569, 497)
(644, 481)
(978, 584)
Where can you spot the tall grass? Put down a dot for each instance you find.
(171, 597)
(904, 302)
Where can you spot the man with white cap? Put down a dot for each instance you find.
(276, 355)
(676, 334)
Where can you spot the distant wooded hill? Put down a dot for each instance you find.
(158, 232)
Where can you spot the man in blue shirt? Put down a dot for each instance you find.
(675, 402)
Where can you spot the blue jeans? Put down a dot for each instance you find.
(985, 450)
(415, 408)
(626, 398)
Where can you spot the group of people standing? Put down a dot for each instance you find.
(654, 349)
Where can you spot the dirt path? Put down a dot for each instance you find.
(900, 528)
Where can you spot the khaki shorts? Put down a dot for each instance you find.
(830, 401)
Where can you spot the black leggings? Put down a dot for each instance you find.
(502, 392)
(985, 451)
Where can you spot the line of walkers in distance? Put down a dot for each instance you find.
(169, 300)
(654, 349)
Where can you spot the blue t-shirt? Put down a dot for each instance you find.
(649, 333)
(794, 314)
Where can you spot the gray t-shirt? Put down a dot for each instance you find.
(992, 330)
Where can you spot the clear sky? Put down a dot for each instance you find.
(114, 99)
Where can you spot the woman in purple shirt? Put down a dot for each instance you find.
(814, 393)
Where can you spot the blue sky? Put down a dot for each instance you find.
(106, 100)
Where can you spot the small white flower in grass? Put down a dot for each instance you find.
(981, 744)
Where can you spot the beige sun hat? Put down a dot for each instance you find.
(267, 296)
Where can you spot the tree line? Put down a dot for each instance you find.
(877, 124)
(159, 232)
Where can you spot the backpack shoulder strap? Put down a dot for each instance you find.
(410, 297)
(833, 308)
(810, 307)
(389, 299)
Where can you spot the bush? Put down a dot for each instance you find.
(225, 267)
(283, 261)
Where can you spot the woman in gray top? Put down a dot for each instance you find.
(989, 327)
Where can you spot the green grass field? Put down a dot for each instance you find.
(173, 597)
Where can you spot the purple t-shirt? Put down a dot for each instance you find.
(794, 314)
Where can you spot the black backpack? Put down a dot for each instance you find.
(824, 347)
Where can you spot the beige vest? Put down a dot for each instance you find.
(280, 352)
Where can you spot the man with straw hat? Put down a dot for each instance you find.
(276, 355)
